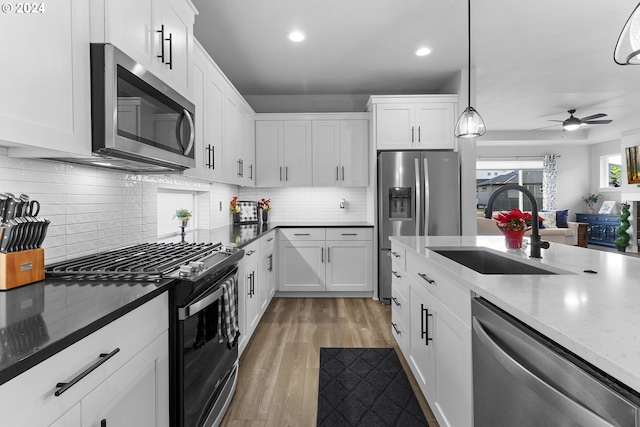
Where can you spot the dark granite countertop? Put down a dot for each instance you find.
(40, 319)
(244, 234)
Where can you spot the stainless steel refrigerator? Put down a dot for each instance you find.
(418, 195)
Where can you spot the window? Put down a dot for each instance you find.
(493, 175)
(168, 202)
(610, 170)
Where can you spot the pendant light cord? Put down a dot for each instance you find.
(469, 50)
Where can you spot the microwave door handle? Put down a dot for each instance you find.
(192, 133)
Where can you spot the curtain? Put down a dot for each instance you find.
(549, 181)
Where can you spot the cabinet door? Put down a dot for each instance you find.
(297, 154)
(301, 265)
(326, 152)
(248, 314)
(137, 394)
(424, 333)
(45, 80)
(395, 126)
(129, 26)
(269, 153)
(354, 153)
(71, 418)
(247, 142)
(213, 113)
(349, 265)
(435, 122)
(454, 378)
(233, 169)
(177, 18)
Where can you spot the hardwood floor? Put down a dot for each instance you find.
(278, 379)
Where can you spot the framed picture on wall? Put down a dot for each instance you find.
(607, 207)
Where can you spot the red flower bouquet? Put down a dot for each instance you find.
(515, 219)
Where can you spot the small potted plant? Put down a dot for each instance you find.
(265, 205)
(183, 216)
(591, 199)
(235, 209)
(513, 225)
(622, 241)
(614, 175)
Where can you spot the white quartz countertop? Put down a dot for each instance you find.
(596, 316)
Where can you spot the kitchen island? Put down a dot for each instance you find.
(595, 315)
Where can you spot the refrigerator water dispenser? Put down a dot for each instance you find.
(400, 203)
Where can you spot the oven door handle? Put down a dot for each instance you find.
(199, 305)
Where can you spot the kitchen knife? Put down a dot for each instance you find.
(27, 234)
(18, 235)
(11, 208)
(3, 205)
(6, 237)
(43, 231)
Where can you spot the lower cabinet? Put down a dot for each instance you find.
(248, 301)
(438, 346)
(331, 259)
(267, 288)
(129, 388)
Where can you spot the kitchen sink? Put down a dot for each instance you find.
(485, 261)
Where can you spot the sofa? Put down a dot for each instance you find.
(550, 232)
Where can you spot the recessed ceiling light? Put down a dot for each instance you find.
(296, 36)
(423, 51)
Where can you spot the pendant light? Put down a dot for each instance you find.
(470, 123)
(629, 41)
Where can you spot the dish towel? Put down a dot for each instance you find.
(228, 314)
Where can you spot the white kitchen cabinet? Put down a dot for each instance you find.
(239, 144)
(247, 148)
(156, 33)
(130, 396)
(340, 150)
(248, 299)
(283, 153)
(29, 398)
(414, 122)
(268, 270)
(209, 90)
(439, 345)
(45, 80)
(331, 259)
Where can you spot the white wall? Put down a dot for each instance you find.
(574, 175)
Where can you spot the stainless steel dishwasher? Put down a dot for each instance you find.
(521, 378)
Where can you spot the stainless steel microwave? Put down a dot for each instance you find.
(138, 123)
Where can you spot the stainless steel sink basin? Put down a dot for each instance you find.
(485, 261)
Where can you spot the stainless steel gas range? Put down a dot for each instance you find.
(202, 317)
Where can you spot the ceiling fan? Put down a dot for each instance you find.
(573, 123)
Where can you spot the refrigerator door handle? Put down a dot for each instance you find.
(426, 222)
(418, 198)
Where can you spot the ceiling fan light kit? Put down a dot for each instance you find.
(627, 50)
(470, 123)
(573, 123)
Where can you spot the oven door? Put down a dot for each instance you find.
(207, 368)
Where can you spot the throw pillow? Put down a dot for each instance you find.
(548, 219)
(562, 218)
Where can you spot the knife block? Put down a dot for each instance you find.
(21, 268)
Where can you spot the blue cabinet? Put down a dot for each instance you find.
(601, 229)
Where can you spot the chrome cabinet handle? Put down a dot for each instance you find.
(251, 172)
(328, 255)
(348, 234)
(427, 278)
(411, 133)
(395, 327)
(103, 357)
(424, 324)
(286, 173)
(395, 254)
(250, 253)
(395, 273)
(321, 255)
(395, 301)
(418, 133)
(269, 239)
(301, 234)
(280, 173)
(337, 176)
(343, 173)
(270, 263)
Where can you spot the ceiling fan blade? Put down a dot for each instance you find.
(597, 122)
(547, 127)
(595, 116)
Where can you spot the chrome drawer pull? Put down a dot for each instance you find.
(250, 253)
(349, 234)
(395, 301)
(103, 357)
(395, 254)
(301, 234)
(427, 278)
(396, 274)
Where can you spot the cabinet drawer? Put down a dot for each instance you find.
(250, 252)
(268, 241)
(302, 234)
(454, 296)
(349, 234)
(34, 389)
(400, 332)
(400, 292)
(398, 258)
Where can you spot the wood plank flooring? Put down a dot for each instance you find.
(278, 379)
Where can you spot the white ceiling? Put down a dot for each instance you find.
(534, 59)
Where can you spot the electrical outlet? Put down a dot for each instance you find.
(220, 205)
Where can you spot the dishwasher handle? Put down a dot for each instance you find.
(552, 396)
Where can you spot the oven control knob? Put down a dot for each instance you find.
(185, 271)
(196, 266)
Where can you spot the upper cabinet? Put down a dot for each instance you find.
(283, 153)
(156, 33)
(329, 149)
(340, 153)
(45, 83)
(239, 147)
(414, 122)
